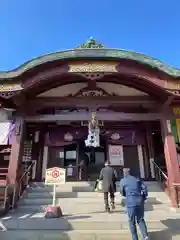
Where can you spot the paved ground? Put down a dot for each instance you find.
(84, 217)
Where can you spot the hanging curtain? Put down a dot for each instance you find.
(174, 130)
(178, 128)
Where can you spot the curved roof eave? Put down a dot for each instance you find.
(91, 53)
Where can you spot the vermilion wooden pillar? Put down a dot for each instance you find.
(15, 166)
(171, 159)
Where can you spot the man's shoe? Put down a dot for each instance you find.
(146, 238)
(107, 209)
(113, 206)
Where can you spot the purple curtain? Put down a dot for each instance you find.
(56, 136)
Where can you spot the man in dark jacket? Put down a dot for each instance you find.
(135, 192)
(108, 176)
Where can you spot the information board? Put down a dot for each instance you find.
(55, 176)
(116, 157)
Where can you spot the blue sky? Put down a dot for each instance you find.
(29, 28)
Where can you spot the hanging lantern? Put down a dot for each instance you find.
(115, 136)
(68, 137)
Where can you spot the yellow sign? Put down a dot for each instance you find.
(93, 67)
(176, 111)
(55, 176)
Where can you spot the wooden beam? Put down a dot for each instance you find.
(165, 106)
(86, 116)
(89, 101)
(167, 103)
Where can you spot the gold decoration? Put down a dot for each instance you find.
(93, 67)
(176, 111)
(10, 87)
(175, 85)
(92, 93)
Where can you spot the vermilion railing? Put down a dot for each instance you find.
(10, 194)
(6, 193)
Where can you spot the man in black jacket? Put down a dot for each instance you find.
(108, 176)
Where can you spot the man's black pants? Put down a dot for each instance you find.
(106, 196)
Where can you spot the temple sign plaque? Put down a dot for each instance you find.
(55, 176)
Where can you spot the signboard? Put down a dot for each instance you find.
(116, 157)
(55, 176)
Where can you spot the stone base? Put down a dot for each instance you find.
(53, 212)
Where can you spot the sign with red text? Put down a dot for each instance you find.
(55, 176)
(116, 157)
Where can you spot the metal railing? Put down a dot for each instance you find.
(22, 183)
(161, 177)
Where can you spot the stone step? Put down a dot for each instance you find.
(82, 222)
(93, 209)
(73, 183)
(87, 183)
(68, 185)
(62, 189)
(72, 194)
(82, 200)
(85, 235)
(82, 187)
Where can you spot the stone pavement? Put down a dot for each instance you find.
(84, 216)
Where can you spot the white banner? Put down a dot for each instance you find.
(4, 132)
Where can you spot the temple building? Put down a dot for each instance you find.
(48, 103)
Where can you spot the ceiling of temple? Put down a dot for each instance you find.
(101, 89)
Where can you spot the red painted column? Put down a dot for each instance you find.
(171, 159)
(16, 152)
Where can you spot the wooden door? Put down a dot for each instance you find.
(56, 157)
(96, 163)
(131, 159)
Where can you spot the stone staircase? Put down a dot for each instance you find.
(84, 216)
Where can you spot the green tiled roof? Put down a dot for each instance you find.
(92, 50)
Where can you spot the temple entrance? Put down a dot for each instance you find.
(96, 158)
(121, 146)
(158, 148)
(69, 157)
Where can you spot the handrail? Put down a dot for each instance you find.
(8, 198)
(21, 184)
(160, 170)
(166, 185)
(27, 171)
(25, 174)
(161, 177)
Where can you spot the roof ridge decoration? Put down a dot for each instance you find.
(91, 43)
(91, 50)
